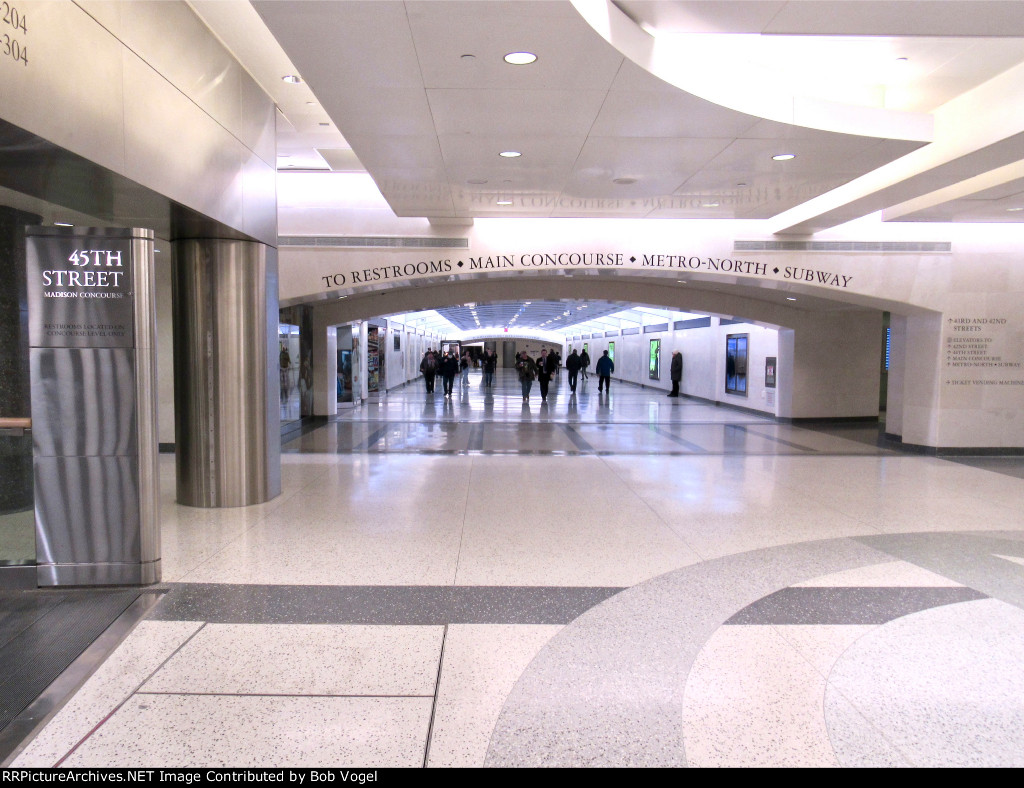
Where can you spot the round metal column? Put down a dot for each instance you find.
(226, 400)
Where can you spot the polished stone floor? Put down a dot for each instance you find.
(625, 580)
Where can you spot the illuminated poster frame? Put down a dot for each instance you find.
(736, 349)
(654, 360)
(611, 351)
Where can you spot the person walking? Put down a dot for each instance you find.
(572, 366)
(464, 364)
(605, 367)
(527, 369)
(449, 369)
(676, 372)
(584, 362)
(545, 369)
(490, 364)
(428, 366)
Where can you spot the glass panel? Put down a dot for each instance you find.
(17, 515)
(288, 361)
(736, 364)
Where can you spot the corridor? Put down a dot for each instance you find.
(623, 580)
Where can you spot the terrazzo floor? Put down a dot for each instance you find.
(626, 581)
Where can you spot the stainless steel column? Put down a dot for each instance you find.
(226, 397)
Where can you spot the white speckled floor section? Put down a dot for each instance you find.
(650, 676)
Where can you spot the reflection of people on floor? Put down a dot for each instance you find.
(306, 384)
(286, 366)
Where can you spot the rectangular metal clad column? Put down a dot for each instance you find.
(92, 337)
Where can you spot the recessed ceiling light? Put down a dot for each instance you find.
(504, 202)
(1015, 209)
(310, 103)
(789, 298)
(291, 79)
(468, 56)
(709, 205)
(783, 156)
(520, 58)
(342, 296)
(325, 124)
(63, 224)
(623, 181)
(510, 154)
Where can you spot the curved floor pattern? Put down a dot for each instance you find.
(668, 674)
(942, 687)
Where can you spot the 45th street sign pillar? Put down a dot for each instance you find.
(92, 337)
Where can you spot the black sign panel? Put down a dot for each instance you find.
(80, 290)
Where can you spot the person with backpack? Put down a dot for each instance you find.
(428, 366)
(584, 362)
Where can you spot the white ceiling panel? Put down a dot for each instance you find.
(473, 150)
(391, 111)
(664, 158)
(813, 157)
(703, 16)
(320, 37)
(500, 112)
(650, 113)
(900, 18)
(420, 91)
(486, 31)
(393, 152)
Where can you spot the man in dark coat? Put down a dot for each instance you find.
(676, 372)
(605, 367)
(449, 369)
(545, 370)
(572, 365)
(527, 369)
(428, 366)
(490, 364)
(584, 362)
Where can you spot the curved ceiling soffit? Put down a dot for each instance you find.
(744, 91)
(721, 302)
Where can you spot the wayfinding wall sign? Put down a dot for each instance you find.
(81, 292)
(92, 354)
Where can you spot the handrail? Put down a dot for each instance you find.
(15, 423)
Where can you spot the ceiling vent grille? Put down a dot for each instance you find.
(843, 246)
(372, 242)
